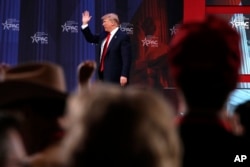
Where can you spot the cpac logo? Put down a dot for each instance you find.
(150, 41)
(127, 27)
(174, 29)
(239, 23)
(70, 26)
(240, 158)
(11, 24)
(40, 37)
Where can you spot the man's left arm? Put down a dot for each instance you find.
(126, 53)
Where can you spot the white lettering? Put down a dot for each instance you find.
(240, 158)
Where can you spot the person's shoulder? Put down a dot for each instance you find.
(121, 32)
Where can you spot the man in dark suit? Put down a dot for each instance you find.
(114, 62)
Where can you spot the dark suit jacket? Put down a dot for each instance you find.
(118, 59)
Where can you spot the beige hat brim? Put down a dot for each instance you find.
(18, 91)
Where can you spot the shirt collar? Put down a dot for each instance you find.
(114, 31)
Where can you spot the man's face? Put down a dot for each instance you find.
(108, 25)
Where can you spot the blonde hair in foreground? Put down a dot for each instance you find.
(114, 126)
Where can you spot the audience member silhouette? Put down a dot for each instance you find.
(37, 93)
(48, 157)
(85, 72)
(12, 151)
(111, 126)
(204, 59)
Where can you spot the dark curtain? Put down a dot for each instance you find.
(9, 30)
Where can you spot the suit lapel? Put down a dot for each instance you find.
(111, 43)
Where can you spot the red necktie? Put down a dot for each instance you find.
(104, 52)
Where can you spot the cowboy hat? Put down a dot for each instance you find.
(41, 80)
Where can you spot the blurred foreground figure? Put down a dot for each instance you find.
(111, 126)
(242, 122)
(12, 151)
(3, 68)
(204, 60)
(36, 93)
(85, 72)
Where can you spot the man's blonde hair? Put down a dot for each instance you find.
(112, 17)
